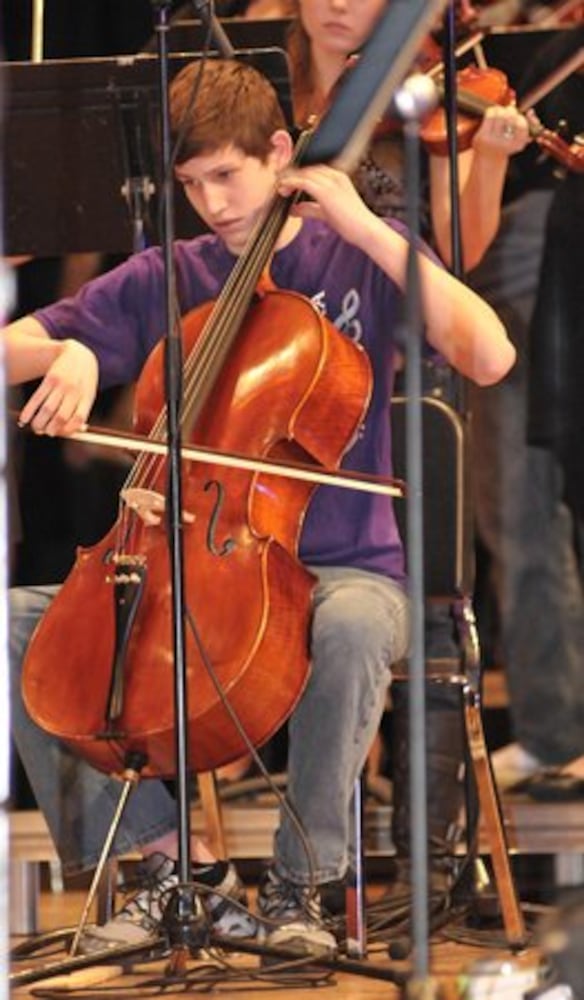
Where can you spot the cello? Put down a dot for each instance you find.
(99, 669)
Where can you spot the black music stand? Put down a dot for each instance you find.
(91, 126)
(186, 34)
(512, 49)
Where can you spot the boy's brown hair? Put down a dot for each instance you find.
(220, 103)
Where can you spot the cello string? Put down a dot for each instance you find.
(206, 358)
(232, 303)
(204, 362)
(229, 309)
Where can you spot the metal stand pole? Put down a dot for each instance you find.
(5, 295)
(187, 932)
(38, 30)
(413, 101)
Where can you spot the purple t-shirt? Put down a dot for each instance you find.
(121, 316)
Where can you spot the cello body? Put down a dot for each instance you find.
(293, 388)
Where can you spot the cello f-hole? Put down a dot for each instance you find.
(229, 543)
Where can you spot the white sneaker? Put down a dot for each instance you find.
(512, 764)
(222, 900)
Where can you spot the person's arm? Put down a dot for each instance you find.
(76, 270)
(68, 372)
(459, 324)
(481, 174)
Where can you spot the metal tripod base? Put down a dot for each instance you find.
(118, 957)
(334, 963)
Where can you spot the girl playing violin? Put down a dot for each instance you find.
(324, 35)
(234, 155)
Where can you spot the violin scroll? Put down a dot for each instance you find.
(570, 155)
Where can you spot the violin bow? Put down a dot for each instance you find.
(553, 80)
(563, 12)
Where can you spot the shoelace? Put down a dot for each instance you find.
(147, 894)
(285, 900)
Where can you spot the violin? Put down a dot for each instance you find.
(477, 90)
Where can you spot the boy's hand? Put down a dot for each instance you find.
(62, 402)
(334, 199)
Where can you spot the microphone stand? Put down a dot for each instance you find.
(459, 388)
(186, 930)
(413, 101)
(449, 60)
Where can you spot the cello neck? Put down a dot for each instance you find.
(207, 359)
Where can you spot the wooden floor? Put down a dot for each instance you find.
(237, 973)
(543, 829)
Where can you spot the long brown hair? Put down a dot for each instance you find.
(306, 98)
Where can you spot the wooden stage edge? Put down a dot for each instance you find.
(531, 827)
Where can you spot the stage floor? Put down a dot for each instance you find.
(233, 973)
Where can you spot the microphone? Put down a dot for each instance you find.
(415, 99)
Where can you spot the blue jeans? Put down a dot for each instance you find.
(526, 528)
(78, 802)
(359, 629)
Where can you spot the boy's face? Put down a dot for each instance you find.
(230, 190)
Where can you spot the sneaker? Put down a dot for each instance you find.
(219, 894)
(291, 917)
(224, 899)
(512, 764)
